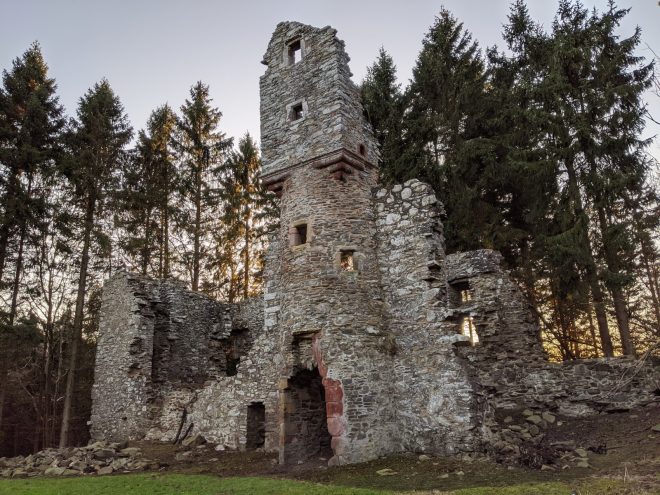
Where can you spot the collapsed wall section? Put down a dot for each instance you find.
(158, 345)
(510, 372)
(224, 409)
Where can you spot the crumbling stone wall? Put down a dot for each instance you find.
(434, 396)
(123, 370)
(509, 370)
(157, 346)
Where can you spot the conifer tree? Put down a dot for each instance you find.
(447, 85)
(597, 117)
(97, 142)
(150, 181)
(383, 107)
(30, 124)
(243, 214)
(201, 147)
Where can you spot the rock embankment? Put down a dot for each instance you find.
(96, 458)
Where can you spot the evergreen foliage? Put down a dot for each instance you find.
(201, 147)
(537, 153)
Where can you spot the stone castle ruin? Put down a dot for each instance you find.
(368, 339)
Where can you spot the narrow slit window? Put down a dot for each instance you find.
(295, 52)
(298, 235)
(362, 149)
(297, 112)
(347, 261)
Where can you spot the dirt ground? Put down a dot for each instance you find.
(619, 445)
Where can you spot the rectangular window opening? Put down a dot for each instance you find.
(462, 291)
(347, 261)
(295, 52)
(297, 112)
(298, 235)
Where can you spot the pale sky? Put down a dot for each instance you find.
(152, 51)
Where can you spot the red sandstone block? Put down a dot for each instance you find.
(335, 426)
(333, 390)
(334, 409)
(338, 445)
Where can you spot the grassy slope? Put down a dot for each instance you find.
(176, 484)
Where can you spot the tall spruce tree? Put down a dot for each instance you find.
(384, 107)
(150, 180)
(237, 248)
(596, 84)
(447, 85)
(97, 143)
(31, 120)
(201, 147)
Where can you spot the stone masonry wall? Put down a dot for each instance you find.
(122, 377)
(322, 82)
(158, 345)
(434, 396)
(508, 367)
(342, 310)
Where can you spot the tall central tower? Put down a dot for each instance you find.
(310, 110)
(324, 296)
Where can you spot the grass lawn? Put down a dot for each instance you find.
(179, 484)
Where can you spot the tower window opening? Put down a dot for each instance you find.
(362, 149)
(298, 235)
(347, 261)
(462, 292)
(297, 112)
(295, 51)
(469, 329)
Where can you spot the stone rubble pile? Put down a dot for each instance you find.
(522, 440)
(96, 458)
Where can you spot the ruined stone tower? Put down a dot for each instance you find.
(320, 157)
(368, 339)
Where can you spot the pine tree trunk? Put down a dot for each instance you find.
(10, 195)
(652, 277)
(3, 393)
(197, 234)
(77, 324)
(146, 258)
(246, 275)
(48, 360)
(166, 227)
(620, 310)
(18, 272)
(590, 265)
(592, 333)
(17, 275)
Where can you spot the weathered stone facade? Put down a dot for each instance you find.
(368, 339)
